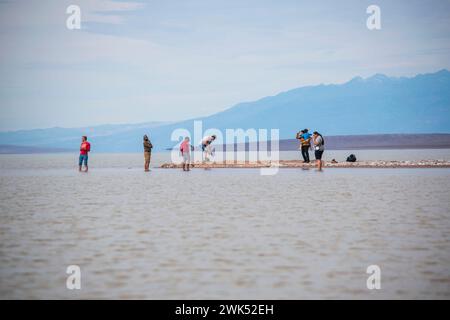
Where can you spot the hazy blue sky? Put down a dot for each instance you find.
(172, 60)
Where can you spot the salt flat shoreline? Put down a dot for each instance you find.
(327, 164)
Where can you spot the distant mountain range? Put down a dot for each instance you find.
(366, 142)
(64, 139)
(376, 105)
(352, 142)
(11, 149)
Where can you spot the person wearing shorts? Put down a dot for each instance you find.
(318, 149)
(185, 149)
(85, 148)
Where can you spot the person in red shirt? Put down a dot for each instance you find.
(84, 149)
(185, 150)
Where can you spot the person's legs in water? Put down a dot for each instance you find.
(186, 161)
(149, 160)
(318, 154)
(86, 162)
(305, 154)
(203, 151)
(207, 152)
(83, 160)
(146, 161)
(183, 163)
(80, 163)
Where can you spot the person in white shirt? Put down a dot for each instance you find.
(206, 146)
(319, 148)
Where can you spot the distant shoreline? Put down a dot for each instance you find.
(327, 164)
(338, 142)
(14, 149)
(367, 142)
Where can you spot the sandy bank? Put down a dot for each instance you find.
(300, 164)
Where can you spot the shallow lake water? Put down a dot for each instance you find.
(222, 233)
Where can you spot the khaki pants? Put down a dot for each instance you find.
(147, 157)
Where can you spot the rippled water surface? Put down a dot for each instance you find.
(223, 233)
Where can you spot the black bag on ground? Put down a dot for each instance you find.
(351, 158)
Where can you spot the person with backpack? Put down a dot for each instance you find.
(147, 153)
(319, 148)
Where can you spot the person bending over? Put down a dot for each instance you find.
(206, 146)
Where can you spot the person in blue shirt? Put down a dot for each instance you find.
(305, 140)
(306, 135)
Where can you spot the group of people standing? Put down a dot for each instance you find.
(307, 142)
(185, 150)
